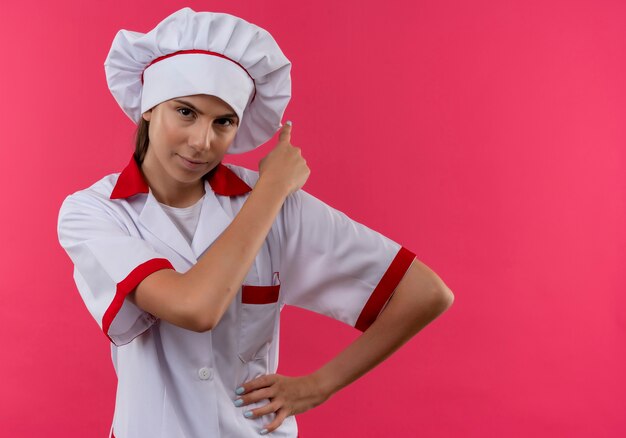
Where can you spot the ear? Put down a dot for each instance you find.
(147, 115)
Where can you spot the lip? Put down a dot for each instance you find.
(191, 164)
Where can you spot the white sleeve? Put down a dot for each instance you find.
(108, 264)
(335, 266)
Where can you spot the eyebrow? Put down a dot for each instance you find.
(184, 102)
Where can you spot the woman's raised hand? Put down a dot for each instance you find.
(284, 166)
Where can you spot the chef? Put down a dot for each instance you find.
(186, 262)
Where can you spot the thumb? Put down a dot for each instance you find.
(285, 132)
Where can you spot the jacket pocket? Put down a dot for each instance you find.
(258, 314)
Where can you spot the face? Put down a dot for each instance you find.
(188, 137)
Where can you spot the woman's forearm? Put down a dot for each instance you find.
(230, 257)
(419, 298)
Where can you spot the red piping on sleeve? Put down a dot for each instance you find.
(128, 284)
(385, 288)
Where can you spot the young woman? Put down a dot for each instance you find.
(186, 262)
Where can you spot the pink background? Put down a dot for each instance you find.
(486, 136)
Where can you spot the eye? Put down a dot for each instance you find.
(185, 112)
(226, 122)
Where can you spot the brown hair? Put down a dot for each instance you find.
(141, 140)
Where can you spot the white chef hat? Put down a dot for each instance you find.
(203, 53)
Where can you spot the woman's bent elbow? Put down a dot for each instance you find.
(199, 326)
(445, 298)
(196, 318)
(200, 322)
(168, 296)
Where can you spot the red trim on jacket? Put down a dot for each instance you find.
(385, 288)
(127, 285)
(259, 294)
(223, 181)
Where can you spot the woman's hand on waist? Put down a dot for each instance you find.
(287, 395)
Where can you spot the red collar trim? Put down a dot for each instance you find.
(223, 181)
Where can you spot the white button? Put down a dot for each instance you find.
(205, 373)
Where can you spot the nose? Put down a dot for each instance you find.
(201, 138)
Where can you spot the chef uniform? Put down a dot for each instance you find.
(177, 383)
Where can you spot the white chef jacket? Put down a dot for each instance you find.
(177, 383)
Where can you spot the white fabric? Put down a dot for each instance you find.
(245, 43)
(193, 73)
(185, 218)
(176, 383)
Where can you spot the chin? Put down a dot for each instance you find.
(190, 178)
